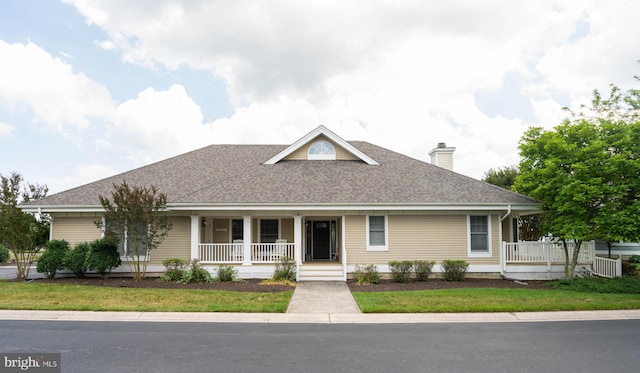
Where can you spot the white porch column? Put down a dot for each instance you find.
(297, 238)
(246, 239)
(195, 236)
(343, 258)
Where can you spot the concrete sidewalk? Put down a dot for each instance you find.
(319, 318)
(323, 297)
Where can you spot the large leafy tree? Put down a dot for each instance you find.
(135, 218)
(22, 233)
(528, 226)
(503, 177)
(585, 172)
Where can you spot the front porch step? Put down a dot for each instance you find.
(321, 272)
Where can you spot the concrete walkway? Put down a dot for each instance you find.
(323, 297)
(317, 318)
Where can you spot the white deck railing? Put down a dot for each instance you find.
(606, 267)
(221, 252)
(545, 252)
(271, 252)
(234, 252)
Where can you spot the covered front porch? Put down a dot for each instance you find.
(543, 260)
(255, 243)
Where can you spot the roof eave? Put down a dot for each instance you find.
(321, 130)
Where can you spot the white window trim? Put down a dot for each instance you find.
(260, 227)
(126, 257)
(384, 247)
(479, 254)
(231, 228)
(324, 156)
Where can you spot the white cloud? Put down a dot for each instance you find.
(82, 174)
(6, 129)
(58, 97)
(158, 124)
(401, 74)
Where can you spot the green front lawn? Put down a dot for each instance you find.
(491, 300)
(34, 296)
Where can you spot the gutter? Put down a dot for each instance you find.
(507, 214)
(502, 259)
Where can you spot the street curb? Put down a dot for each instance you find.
(323, 318)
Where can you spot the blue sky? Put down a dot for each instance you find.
(91, 88)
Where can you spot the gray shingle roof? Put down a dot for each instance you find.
(235, 174)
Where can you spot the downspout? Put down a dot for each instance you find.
(502, 245)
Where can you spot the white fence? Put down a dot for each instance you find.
(271, 252)
(545, 252)
(221, 252)
(605, 267)
(234, 252)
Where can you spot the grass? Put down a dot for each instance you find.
(575, 295)
(34, 296)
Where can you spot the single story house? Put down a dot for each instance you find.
(328, 203)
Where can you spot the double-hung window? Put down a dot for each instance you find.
(132, 238)
(377, 233)
(479, 236)
(237, 230)
(268, 230)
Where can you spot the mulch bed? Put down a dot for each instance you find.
(250, 285)
(254, 285)
(438, 283)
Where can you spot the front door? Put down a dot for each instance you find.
(321, 240)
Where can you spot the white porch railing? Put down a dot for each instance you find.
(545, 252)
(271, 252)
(234, 252)
(221, 252)
(605, 267)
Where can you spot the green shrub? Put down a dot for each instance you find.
(226, 273)
(454, 270)
(175, 269)
(196, 274)
(423, 269)
(629, 269)
(52, 259)
(4, 254)
(635, 258)
(400, 270)
(76, 260)
(365, 275)
(102, 257)
(285, 270)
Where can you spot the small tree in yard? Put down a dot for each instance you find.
(586, 173)
(134, 218)
(22, 233)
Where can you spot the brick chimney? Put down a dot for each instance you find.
(442, 156)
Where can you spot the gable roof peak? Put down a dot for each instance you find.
(321, 130)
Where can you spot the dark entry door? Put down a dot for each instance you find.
(321, 240)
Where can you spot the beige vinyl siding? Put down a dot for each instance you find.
(286, 229)
(75, 229)
(178, 242)
(303, 151)
(417, 238)
(221, 231)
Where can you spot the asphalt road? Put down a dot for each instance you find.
(577, 346)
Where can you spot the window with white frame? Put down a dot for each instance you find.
(322, 150)
(268, 230)
(377, 233)
(237, 230)
(479, 235)
(132, 240)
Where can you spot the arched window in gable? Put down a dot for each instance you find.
(322, 150)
